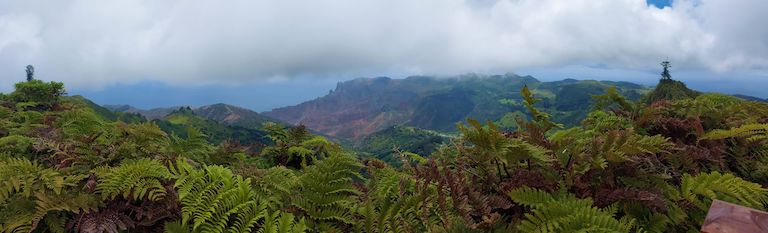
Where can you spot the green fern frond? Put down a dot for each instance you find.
(531, 197)
(195, 146)
(705, 187)
(25, 177)
(177, 227)
(16, 144)
(133, 179)
(565, 213)
(27, 218)
(743, 131)
(540, 117)
(29, 192)
(517, 151)
(327, 191)
(395, 205)
(82, 122)
(602, 121)
(489, 144)
(276, 186)
(213, 199)
(278, 222)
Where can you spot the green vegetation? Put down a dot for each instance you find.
(362, 107)
(36, 93)
(68, 166)
(178, 122)
(104, 113)
(388, 144)
(669, 89)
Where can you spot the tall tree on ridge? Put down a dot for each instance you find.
(30, 72)
(665, 74)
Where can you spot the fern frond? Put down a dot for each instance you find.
(743, 131)
(28, 217)
(327, 190)
(565, 214)
(278, 222)
(531, 197)
(133, 179)
(275, 186)
(213, 199)
(517, 151)
(705, 187)
(25, 177)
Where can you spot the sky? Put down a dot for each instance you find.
(263, 54)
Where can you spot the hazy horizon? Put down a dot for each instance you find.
(292, 92)
(261, 55)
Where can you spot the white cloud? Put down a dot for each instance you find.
(91, 43)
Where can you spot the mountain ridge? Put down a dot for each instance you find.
(150, 114)
(219, 112)
(363, 106)
(360, 107)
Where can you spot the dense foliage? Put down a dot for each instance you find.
(387, 144)
(629, 167)
(179, 120)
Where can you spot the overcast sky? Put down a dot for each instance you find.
(95, 45)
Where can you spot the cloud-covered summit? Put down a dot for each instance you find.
(91, 43)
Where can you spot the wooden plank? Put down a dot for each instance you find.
(724, 217)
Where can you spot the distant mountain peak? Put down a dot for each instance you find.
(120, 108)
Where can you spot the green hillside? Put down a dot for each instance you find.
(219, 122)
(104, 113)
(179, 120)
(233, 115)
(361, 107)
(669, 89)
(386, 144)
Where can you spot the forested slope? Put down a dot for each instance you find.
(628, 167)
(364, 106)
